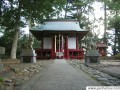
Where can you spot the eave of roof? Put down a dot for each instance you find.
(39, 34)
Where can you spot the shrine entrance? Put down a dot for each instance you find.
(59, 46)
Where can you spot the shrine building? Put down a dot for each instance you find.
(59, 39)
(101, 47)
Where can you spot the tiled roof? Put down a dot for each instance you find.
(92, 53)
(59, 25)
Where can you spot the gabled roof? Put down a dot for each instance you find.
(59, 25)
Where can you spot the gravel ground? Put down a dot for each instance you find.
(16, 74)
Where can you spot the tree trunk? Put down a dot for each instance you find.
(17, 30)
(119, 40)
(14, 44)
(66, 10)
(116, 36)
(115, 43)
(105, 23)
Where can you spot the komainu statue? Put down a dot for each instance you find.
(30, 42)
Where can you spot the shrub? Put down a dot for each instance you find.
(117, 56)
(107, 58)
(1, 79)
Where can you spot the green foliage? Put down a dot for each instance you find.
(115, 23)
(1, 79)
(15, 14)
(58, 6)
(36, 43)
(6, 41)
(16, 10)
(114, 5)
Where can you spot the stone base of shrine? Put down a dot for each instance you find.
(92, 57)
(28, 56)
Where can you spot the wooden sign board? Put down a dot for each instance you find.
(2, 50)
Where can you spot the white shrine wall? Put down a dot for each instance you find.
(47, 42)
(71, 42)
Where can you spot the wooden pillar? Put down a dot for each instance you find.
(42, 48)
(67, 52)
(59, 43)
(62, 46)
(59, 47)
(42, 43)
(55, 43)
(77, 47)
(53, 49)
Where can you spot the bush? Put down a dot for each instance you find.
(4, 56)
(1, 79)
(107, 58)
(117, 56)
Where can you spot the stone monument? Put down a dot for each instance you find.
(28, 55)
(2, 51)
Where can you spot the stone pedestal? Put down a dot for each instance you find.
(92, 57)
(28, 56)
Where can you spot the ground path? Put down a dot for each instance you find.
(60, 76)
